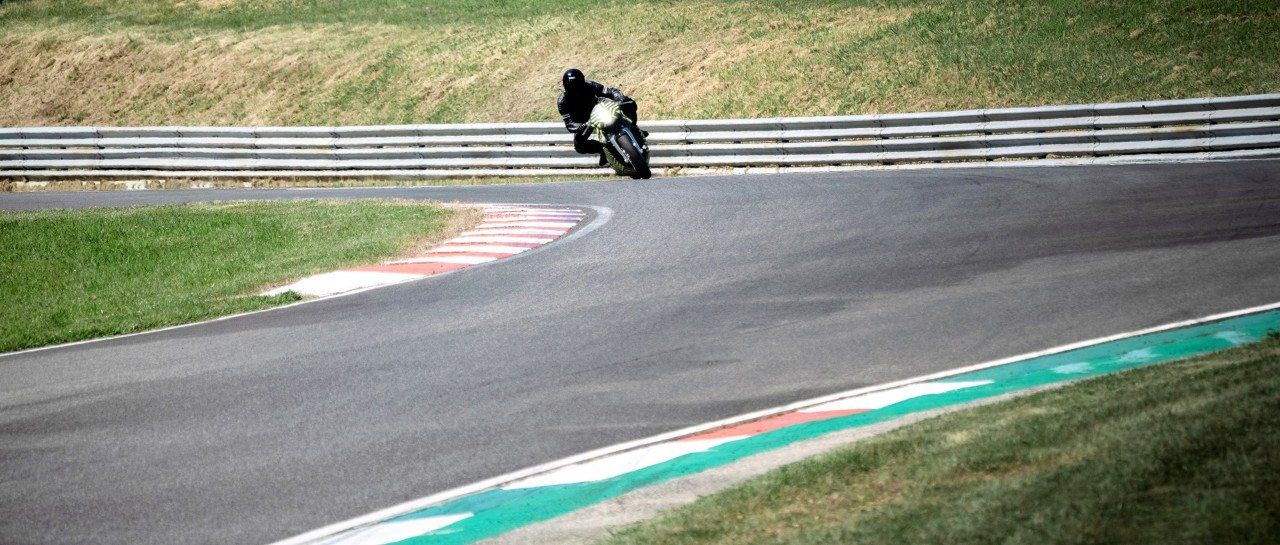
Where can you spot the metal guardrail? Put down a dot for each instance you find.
(1194, 126)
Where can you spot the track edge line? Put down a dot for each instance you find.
(493, 482)
(603, 214)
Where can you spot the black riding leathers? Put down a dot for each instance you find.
(575, 107)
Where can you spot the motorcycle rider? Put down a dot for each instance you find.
(575, 103)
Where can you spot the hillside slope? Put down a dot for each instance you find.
(290, 62)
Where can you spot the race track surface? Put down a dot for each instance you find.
(700, 298)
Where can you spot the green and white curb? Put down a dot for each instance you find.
(495, 506)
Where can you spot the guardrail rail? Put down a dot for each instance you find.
(1239, 126)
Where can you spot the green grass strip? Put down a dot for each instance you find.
(79, 274)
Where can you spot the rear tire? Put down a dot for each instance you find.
(640, 165)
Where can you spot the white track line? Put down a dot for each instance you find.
(621, 463)
(504, 216)
(502, 480)
(517, 231)
(486, 248)
(455, 259)
(882, 399)
(512, 210)
(613, 465)
(500, 238)
(525, 223)
(393, 532)
(335, 282)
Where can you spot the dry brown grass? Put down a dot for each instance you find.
(17, 185)
(382, 73)
(677, 72)
(262, 77)
(706, 58)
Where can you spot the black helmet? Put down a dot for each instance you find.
(574, 81)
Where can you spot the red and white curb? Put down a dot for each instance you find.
(506, 230)
(613, 465)
(616, 464)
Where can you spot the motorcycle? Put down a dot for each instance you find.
(623, 149)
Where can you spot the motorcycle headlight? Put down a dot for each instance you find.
(603, 116)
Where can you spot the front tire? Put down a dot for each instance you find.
(639, 164)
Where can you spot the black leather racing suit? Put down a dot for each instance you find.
(575, 108)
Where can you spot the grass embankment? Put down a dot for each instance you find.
(320, 62)
(71, 275)
(1184, 452)
(89, 184)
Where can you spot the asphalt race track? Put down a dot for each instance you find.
(699, 299)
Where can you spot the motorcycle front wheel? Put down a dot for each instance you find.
(639, 165)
